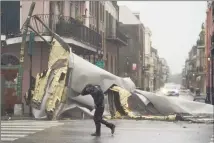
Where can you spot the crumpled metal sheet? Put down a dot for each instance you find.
(52, 98)
(84, 72)
(124, 96)
(167, 105)
(51, 92)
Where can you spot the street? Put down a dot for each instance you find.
(78, 131)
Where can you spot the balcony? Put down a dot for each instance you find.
(68, 27)
(117, 37)
(200, 70)
(146, 67)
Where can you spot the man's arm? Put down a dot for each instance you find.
(87, 90)
(84, 92)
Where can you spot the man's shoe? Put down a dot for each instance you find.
(95, 134)
(113, 129)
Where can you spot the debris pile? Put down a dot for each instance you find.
(56, 94)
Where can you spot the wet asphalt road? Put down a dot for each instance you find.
(127, 131)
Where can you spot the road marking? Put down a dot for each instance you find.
(16, 132)
(30, 123)
(17, 135)
(8, 139)
(46, 126)
(22, 129)
(13, 130)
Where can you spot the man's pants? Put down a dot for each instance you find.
(98, 119)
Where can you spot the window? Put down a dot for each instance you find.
(103, 12)
(71, 8)
(100, 12)
(93, 7)
(90, 7)
(107, 24)
(115, 64)
(106, 64)
(61, 5)
(112, 66)
(76, 9)
(95, 10)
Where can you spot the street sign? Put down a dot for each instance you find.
(100, 64)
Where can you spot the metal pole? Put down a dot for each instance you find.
(23, 45)
(39, 35)
(56, 36)
(30, 52)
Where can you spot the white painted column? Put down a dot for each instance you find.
(67, 8)
(87, 13)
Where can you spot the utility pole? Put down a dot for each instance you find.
(30, 52)
(23, 45)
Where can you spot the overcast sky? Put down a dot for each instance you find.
(175, 27)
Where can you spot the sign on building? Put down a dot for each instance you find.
(134, 66)
(100, 64)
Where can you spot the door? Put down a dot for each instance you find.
(10, 70)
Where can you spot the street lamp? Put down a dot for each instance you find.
(208, 58)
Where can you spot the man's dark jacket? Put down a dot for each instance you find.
(97, 94)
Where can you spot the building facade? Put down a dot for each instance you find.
(148, 58)
(131, 58)
(194, 72)
(154, 70)
(208, 50)
(115, 39)
(164, 72)
(81, 24)
(200, 62)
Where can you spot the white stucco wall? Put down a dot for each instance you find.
(87, 13)
(111, 9)
(41, 7)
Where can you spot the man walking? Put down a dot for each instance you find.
(97, 94)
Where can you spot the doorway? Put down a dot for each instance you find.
(10, 69)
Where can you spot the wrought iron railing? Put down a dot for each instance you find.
(111, 34)
(66, 26)
(121, 36)
(200, 69)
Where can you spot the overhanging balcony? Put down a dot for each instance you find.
(117, 37)
(146, 67)
(68, 27)
(200, 70)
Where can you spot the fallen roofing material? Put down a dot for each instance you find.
(57, 93)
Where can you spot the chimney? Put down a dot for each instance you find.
(137, 14)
